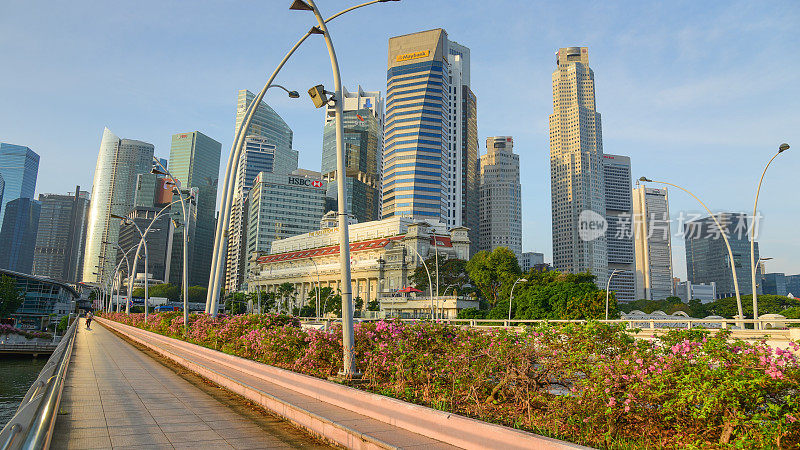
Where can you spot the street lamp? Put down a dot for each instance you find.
(430, 283)
(511, 297)
(724, 237)
(781, 148)
(608, 285)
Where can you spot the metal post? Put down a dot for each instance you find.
(511, 297)
(608, 285)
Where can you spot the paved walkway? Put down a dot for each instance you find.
(116, 396)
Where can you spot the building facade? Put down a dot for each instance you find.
(61, 235)
(430, 160)
(653, 248)
(363, 142)
(793, 285)
(383, 257)
(267, 148)
(707, 258)
(160, 244)
(530, 260)
(19, 167)
(619, 234)
(686, 291)
(18, 235)
(194, 161)
(118, 164)
(46, 300)
(576, 167)
(280, 206)
(774, 284)
(500, 209)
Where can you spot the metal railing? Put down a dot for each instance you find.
(31, 427)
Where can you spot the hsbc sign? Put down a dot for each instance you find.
(299, 181)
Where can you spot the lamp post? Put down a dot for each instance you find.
(724, 237)
(608, 285)
(511, 297)
(782, 148)
(430, 283)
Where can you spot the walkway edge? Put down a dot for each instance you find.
(446, 427)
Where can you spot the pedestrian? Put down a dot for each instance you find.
(89, 317)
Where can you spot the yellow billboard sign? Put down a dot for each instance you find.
(413, 55)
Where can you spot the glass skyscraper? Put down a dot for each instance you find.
(19, 167)
(119, 161)
(363, 142)
(619, 235)
(18, 235)
(61, 236)
(194, 160)
(652, 244)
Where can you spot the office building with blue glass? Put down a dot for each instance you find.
(18, 234)
(19, 167)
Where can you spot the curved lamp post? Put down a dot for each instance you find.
(223, 222)
(430, 282)
(608, 285)
(782, 148)
(511, 297)
(724, 236)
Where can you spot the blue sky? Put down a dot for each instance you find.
(696, 93)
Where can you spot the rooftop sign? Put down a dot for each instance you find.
(413, 55)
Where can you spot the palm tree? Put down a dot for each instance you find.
(286, 290)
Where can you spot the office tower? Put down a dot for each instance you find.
(160, 242)
(619, 234)
(501, 197)
(793, 285)
(194, 161)
(774, 284)
(19, 167)
(363, 141)
(61, 235)
(707, 256)
(2, 188)
(430, 160)
(119, 161)
(576, 170)
(529, 260)
(267, 148)
(653, 249)
(281, 206)
(18, 235)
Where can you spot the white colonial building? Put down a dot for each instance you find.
(383, 257)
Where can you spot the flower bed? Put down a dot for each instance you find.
(8, 329)
(591, 384)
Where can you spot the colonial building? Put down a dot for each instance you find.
(384, 255)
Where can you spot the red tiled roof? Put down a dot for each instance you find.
(334, 249)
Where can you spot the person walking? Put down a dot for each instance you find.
(89, 317)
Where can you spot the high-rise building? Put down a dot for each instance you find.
(576, 167)
(267, 148)
(19, 167)
(194, 161)
(619, 234)
(653, 248)
(2, 188)
(119, 161)
(529, 260)
(280, 206)
(430, 159)
(774, 284)
(18, 235)
(707, 257)
(160, 242)
(501, 197)
(793, 285)
(61, 235)
(363, 141)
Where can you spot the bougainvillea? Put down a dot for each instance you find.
(588, 383)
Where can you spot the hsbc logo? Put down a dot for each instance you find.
(298, 181)
(316, 183)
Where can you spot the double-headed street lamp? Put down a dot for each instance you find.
(511, 297)
(724, 234)
(782, 148)
(608, 285)
(217, 265)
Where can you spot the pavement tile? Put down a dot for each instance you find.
(192, 436)
(209, 445)
(83, 443)
(190, 426)
(147, 438)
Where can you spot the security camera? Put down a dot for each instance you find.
(317, 94)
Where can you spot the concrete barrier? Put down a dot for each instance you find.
(450, 428)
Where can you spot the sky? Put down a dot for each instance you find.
(699, 94)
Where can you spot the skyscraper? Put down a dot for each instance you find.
(707, 256)
(653, 249)
(363, 142)
(160, 244)
(267, 148)
(619, 234)
(18, 234)
(501, 197)
(194, 161)
(2, 188)
(61, 235)
(19, 167)
(430, 160)
(576, 169)
(118, 164)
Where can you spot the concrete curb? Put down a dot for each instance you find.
(446, 427)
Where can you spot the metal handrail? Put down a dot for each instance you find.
(31, 427)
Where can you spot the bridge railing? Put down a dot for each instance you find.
(31, 427)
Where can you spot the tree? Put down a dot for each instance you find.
(10, 297)
(373, 305)
(493, 273)
(165, 290)
(451, 272)
(197, 294)
(286, 291)
(236, 303)
(358, 303)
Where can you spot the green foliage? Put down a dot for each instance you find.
(373, 305)
(493, 273)
(358, 303)
(165, 290)
(451, 272)
(236, 303)
(197, 294)
(62, 324)
(669, 305)
(10, 297)
(471, 313)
